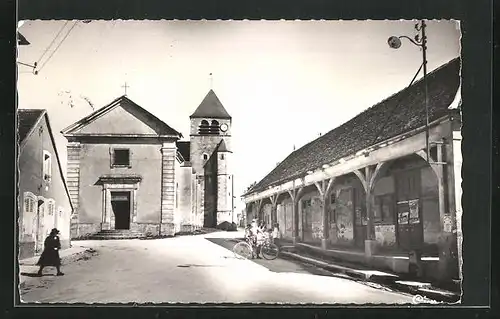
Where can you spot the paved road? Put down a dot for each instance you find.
(192, 269)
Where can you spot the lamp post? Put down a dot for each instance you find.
(419, 40)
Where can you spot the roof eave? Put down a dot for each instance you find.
(58, 160)
(350, 156)
(32, 129)
(224, 117)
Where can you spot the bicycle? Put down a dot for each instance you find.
(245, 249)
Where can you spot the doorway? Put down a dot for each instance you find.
(120, 203)
(409, 213)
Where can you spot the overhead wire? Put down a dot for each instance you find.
(51, 43)
(58, 46)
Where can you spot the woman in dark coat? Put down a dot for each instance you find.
(50, 254)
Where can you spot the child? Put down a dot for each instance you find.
(276, 233)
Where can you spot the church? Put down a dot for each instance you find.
(130, 172)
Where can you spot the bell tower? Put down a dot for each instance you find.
(210, 124)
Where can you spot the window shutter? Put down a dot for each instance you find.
(111, 153)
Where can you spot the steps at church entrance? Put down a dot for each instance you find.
(117, 234)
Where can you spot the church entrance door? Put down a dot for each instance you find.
(120, 203)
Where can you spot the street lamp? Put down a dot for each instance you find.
(419, 40)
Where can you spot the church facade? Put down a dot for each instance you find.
(128, 170)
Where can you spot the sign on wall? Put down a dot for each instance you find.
(413, 218)
(403, 218)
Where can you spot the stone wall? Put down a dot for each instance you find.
(146, 161)
(87, 229)
(146, 228)
(183, 203)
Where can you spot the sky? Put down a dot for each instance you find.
(283, 82)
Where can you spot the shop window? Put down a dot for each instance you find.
(306, 203)
(332, 199)
(332, 215)
(384, 209)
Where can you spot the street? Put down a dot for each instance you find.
(193, 269)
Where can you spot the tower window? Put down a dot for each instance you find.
(221, 156)
(215, 128)
(204, 127)
(205, 157)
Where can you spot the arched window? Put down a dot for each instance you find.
(204, 127)
(205, 157)
(215, 127)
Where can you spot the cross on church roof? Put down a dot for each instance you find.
(125, 86)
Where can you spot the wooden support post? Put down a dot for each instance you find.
(274, 212)
(324, 189)
(370, 229)
(295, 195)
(368, 180)
(259, 208)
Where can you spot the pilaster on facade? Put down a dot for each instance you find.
(168, 199)
(73, 173)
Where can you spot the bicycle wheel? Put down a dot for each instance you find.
(269, 251)
(242, 249)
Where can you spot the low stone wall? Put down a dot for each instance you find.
(65, 243)
(147, 229)
(26, 250)
(87, 229)
(168, 229)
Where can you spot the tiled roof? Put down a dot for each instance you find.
(21, 39)
(398, 114)
(222, 147)
(184, 148)
(26, 120)
(211, 107)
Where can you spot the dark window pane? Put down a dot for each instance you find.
(122, 157)
(378, 208)
(387, 209)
